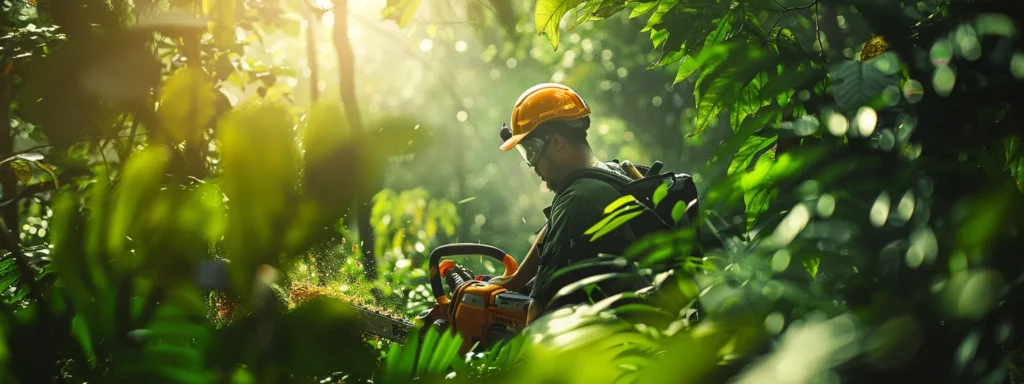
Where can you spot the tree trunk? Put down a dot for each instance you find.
(363, 204)
(314, 66)
(8, 181)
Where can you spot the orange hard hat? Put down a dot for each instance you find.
(542, 103)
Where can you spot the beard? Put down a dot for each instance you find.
(552, 186)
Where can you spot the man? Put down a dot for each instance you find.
(549, 129)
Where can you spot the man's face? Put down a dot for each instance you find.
(544, 156)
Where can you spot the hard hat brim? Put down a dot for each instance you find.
(512, 141)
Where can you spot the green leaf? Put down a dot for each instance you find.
(619, 203)
(854, 83)
(428, 347)
(222, 12)
(7, 281)
(660, 192)
(259, 157)
(22, 170)
(748, 102)
(645, 314)
(686, 69)
(187, 103)
(811, 265)
(756, 196)
(548, 14)
(658, 36)
(593, 266)
(50, 170)
(401, 11)
(678, 211)
(6, 266)
(609, 217)
(789, 78)
(80, 331)
(667, 58)
(642, 8)
(723, 29)
(663, 7)
(299, 347)
(622, 219)
(711, 104)
(597, 10)
(745, 155)
(730, 70)
(1014, 155)
(139, 183)
(748, 128)
(583, 283)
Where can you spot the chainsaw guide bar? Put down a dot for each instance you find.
(378, 323)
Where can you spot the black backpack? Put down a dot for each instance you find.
(669, 199)
(669, 202)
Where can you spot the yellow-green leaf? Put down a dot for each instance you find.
(608, 218)
(660, 192)
(22, 169)
(686, 68)
(618, 203)
(187, 103)
(619, 221)
(260, 171)
(678, 211)
(222, 16)
(49, 169)
(643, 8)
(548, 15)
(401, 11)
(811, 265)
(326, 128)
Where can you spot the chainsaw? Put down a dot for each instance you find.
(481, 312)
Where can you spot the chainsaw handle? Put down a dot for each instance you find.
(463, 249)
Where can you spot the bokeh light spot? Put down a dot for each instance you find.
(837, 124)
(880, 210)
(944, 80)
(866, 120)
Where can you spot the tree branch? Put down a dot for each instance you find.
(785, 9)
(346, 68)
(38, 147)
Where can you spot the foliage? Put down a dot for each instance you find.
(176, 210)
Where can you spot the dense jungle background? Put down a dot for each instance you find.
(858, 162)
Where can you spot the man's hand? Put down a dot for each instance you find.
(500, 280)
(509, 282)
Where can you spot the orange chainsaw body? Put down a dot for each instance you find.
(485, 313)
(481, 312)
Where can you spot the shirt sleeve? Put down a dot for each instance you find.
(573, 212)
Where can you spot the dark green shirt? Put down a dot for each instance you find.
(575, 209)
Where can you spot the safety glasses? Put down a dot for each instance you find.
(531, 148)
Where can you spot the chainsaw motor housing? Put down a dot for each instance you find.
(485, 313)
(481, 312)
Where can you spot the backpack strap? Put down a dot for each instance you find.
(616, 180)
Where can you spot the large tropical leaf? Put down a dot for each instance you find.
(744, 159)
(548, 15)
(721, 83)
(424, 355)
(858, 83)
